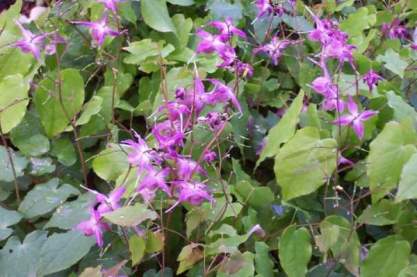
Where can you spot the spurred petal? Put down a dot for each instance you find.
(365, 115)
(343, 120)
(352, 107)
(358, 128)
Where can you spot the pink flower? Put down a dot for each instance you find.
(94, 227)
(274, 49)
(371, 79)
(342, 160)
(209, 156)
(222, 94)
(394, 30)
(324, 86)
(355, 118)
(140, 155)
(99, 30)
(264, 8)
(193, 193)
(227, 28)
(187, 167)
(153, 181)
(209, 42)
(168, 134)
(30, 43)
(214, 120)
(110, 4)
(111, 202)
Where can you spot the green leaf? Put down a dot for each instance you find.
(64, 151)
(13, 101)
(44, 198)
(155, 14)
(69, 214)
(221, 9)
(358, 21)
(295, 251)
(22, 259)
(188, 257)
(111, 162)
(303, 163)
(28, 137)
(338, 236)
(19, 162)
(7, 219)
(263, 264)
(130, 216)
(389, 151)
(407, 188)
(141, 50)
(384, 212)
(91, 108)
(284, 130)
(402, 110)
(257, 197)
(238, 265)
(137, 246)
(181, 2)
(154, 242)
(386, 258)
(41, 166)
(60, 251)
(393, 62)
(92, 272)
(56, 116)
(409, 271)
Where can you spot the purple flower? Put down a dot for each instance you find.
(30, 43)
(99, 30)
(209, 42)
(244, 69)
(153, 181)
(355, 118)
(324, 86)
(194, 193)
(140, 154)
(209, 156)
(228, 55)
(175, 110)
(342, 160)
(394, 30)
(186, 168)
(222, 94)
(371, 79)
(168, 134)
(193, 98)
(111, 202)
(227, 28)
(94, 227)
(50, 48)
(339, 50)
(110, 4)
(214, 120)
(274, 48)
(264, 8)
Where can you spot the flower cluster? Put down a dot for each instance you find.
(274, 48)
(221, 44)
(95, 225)
(269, 7)
(394, 30)
(334, 45)
(35, 44)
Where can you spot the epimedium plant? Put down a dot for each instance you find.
(208, 138)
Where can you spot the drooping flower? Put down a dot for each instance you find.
(50, 48)
(140, 155)
(214, 120)
(274, 48)
(94, 226)
(209, 42)
(394, 30)
(99, 29)
(324, 86)
(186, 168)
(30, 43)
(111, 202)
(355, 118)
(152, 181)
(226, 28)
(194, 193)
(244, 69)
(168, 134)
(371, 78)
(342, 160)
(110, 4)
(222, 94)
(264, 8)
(209, 156)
